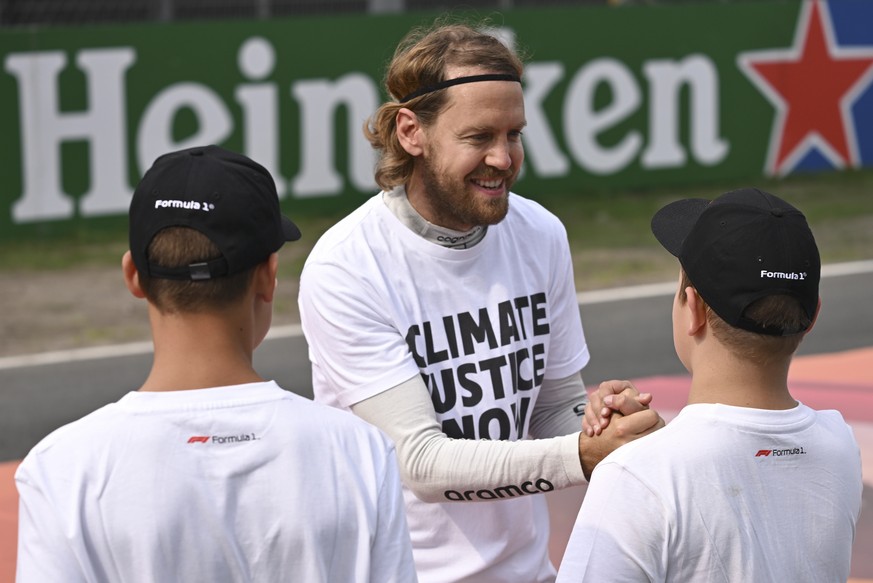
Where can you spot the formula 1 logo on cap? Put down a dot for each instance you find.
(782, 275)
(185, 204)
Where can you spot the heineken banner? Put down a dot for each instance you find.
(616, 97)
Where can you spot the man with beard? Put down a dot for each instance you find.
(443, 311)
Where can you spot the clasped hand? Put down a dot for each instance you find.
(617, 413)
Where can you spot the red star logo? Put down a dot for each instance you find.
(813, 85)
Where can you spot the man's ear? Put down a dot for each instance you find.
(131, 276)
(410, 134)
(696, 311)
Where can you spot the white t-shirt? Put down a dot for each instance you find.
(239, 483)
(483, 326)
(723, 494)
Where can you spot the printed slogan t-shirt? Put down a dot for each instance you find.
(483, 327)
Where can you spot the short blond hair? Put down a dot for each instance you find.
(178, 246)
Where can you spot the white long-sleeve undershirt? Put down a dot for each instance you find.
(432, 463)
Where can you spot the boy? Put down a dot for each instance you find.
(745, 484)
(209, 472)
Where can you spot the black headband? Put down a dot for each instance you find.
(460, 81)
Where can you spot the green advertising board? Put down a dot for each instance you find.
(628, 97)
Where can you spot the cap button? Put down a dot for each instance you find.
(197, 152)
(777, 212)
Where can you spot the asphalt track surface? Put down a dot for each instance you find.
(629, 335)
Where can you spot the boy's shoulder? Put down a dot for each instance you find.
(76, 438)
(107, 431)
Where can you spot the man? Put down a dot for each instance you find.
(209, 472)
(746, 483)
(443, 311)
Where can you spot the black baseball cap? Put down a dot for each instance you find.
(228, 197)
(740, 247)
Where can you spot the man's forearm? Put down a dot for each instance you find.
(438, 468)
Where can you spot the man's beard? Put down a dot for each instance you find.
(453, 204)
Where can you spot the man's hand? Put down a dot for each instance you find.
(612, 396)
(617, 413)
(622, 429)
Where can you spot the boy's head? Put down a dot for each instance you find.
(200, 220)
(751, 257)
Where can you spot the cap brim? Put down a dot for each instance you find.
(289, 229)
(672, 223)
